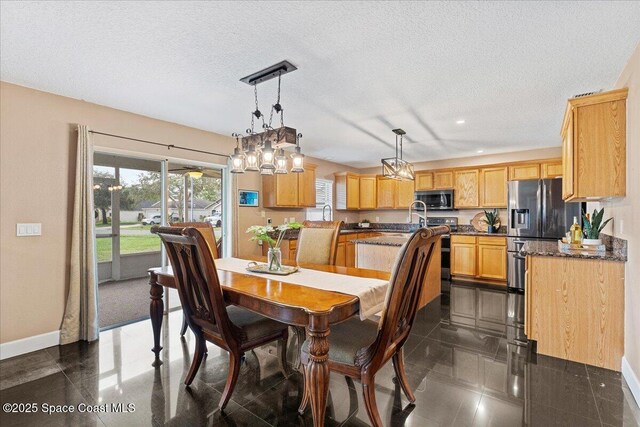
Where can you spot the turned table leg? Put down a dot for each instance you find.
(156, 309)
(318, 367)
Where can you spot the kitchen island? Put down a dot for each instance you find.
(380, 252)
(574, 303)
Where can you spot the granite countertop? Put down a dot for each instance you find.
(478, 233)
(383, 241)
(550, 248)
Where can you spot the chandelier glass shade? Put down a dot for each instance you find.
(396, 167)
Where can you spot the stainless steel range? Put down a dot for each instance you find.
(452, 222)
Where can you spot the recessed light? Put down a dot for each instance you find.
(480, 151)
(460, 122)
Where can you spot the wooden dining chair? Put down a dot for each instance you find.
(232, 328)
(360, 349)
(318, 242)
(206, 229)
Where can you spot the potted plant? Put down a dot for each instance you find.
(491, 218)
(263, 233)
(593, 226)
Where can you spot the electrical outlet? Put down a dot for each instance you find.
(292, 219)
(377, 219)
(28, 229)
(263, 214)
(620, 225)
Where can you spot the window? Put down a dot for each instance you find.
(324, 196)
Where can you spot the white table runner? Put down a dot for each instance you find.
(370, 292)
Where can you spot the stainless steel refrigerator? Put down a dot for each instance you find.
(536, 211)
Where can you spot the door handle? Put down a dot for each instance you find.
(518, 257)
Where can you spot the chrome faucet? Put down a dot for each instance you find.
(330, 212)
(422, 218)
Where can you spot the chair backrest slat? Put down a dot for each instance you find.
(197, 280)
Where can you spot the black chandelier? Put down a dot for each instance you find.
(264, 151)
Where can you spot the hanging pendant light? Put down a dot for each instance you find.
(281, 162)
(396, 167)
(238, 157)
(268, 156)
(264, 151)
(252, 159)
(297, 158)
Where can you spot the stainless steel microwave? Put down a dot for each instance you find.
(435, 199)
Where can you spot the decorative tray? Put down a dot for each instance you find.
(562, 246)
(254, 267)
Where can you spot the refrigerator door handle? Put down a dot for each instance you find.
(543, 212)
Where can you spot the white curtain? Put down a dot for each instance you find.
(81, 313)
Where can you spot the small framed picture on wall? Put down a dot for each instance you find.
(248, 198)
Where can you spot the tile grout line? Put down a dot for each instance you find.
(593, 394)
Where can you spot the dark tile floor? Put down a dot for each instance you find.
(461, 377)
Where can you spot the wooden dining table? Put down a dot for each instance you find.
(315, 309)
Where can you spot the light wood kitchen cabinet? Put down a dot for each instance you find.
(393, 194)
(367, 191)
(347, 191)
(551, 169)
(291, 190)
(463, 256)
(424, 181)
(492, 258)
(483, 258)
(307, 187)
(350, 254)
(341, 252)
(404, 194)
(574, 309)
(442, 180)
(466, 193)
(493, 187)
(385, 192)
(594, 147)
(524, 171)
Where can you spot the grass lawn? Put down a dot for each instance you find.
(128, 245)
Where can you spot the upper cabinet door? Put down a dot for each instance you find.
(404, 194)
(424, 181)
(493, 187)
(307, 187)
(567, 157)
(551, 169)
(594, 146)
(367, 192)
(525, 171)
(287, 190)
(442, 180)
(386, 189)
(353, 192)
(466, 192)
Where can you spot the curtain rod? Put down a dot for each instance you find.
(169, 146)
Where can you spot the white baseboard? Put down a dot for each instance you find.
(632, 379)
(29, 344)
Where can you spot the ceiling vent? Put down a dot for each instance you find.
(580, 95)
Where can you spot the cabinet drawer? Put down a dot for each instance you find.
(498, 241)
(463, 239)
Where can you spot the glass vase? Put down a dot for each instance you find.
(274, 259)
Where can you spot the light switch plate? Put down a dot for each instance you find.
(28, 229)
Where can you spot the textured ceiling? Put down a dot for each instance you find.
(506, 68)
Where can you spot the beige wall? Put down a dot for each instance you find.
(37, 164)
(625, 212)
